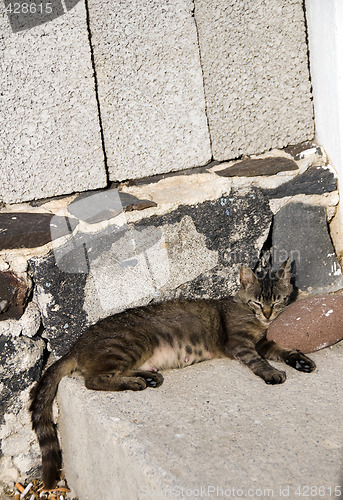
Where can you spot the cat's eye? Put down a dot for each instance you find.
(256, 303)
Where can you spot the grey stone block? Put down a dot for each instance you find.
(49, 129)
(21, 360)
(300, 232)
(255, 65)
(150, 86)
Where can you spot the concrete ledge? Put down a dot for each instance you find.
(210, 425)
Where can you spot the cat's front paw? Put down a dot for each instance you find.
(300, 362)
(155, 380)
(274, 376)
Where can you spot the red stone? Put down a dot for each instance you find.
(14, 293)
(309, 324)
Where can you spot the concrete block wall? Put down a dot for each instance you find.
(254, 59)
(139, 88)
(50, 140)
(150, 86)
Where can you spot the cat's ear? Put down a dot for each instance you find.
(247, 277)
(285, 270)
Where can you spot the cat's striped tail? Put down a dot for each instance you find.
(42, 398)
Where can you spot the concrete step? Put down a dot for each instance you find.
(211, 430)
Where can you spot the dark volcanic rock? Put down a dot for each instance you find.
(29, 230)
(316, 180)
(62, 294)
(231, 225)
(261, 166)
(21, 361)
(300, 232)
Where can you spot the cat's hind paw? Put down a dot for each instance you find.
(300, 362)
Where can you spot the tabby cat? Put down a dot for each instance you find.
(125, 351)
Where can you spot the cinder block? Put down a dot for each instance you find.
(255, 65)
(150, 86)
(49, 130)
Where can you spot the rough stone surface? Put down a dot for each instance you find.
(28, 324)
(150, 87)
(310, 324)
(255, 66)
(315, 180)
(49, 132)
(262, 166)
(19, 456)
(300, 232)
(21, 360)
(20, 365)
(212, 424)
(59, 296)
(194, 251)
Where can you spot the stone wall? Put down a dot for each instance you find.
(65, 263)
(140, 88)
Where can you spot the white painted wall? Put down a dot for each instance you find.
(325, 21)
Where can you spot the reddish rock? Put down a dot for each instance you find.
(14, 293)
(309, 324)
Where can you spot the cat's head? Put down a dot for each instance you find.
(267, 296)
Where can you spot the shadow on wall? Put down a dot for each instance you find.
(26, 15)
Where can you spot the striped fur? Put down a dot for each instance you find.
(125, 351)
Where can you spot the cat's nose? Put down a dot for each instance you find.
(267, 311)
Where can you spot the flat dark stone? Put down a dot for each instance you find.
(96, 206)
(297, 149)
(300, 232)
(315, 180)
(130, 202)
(257, 167)
(30, 230)
(14, 292)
